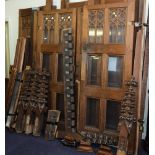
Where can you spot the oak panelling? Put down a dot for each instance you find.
(107, 48)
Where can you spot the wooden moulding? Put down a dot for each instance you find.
(76, 4)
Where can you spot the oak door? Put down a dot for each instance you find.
(50, 54)
(106, 65)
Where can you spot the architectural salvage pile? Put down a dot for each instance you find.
(32, 103)
(80, 57)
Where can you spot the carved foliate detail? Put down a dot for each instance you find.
(117, 16)
(65, 21)
(128, 106)
(49, 21)
(117, 25)
(99, 138)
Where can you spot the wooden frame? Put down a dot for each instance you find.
(53, 49)
(105, 49)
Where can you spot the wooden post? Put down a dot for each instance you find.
(49, 4)
(91, 2)
(64, 4)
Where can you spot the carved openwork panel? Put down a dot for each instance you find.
(49, 24)
(96, 25)
(26, 26)
(117, 25)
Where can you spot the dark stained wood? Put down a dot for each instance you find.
(106, 49)
(76, 4)
(49, 48)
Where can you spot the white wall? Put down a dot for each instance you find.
(12, 15)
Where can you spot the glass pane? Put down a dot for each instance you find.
(92, 112)
(121, 34)
(46, 61)
(60, 106)
(112, 114)
(91, 35)
(95, 26)
(94, 70)
(112, 34)
(45, 39)
(99, 36)
(60, 68)
(48, 33)
(117, 22)
(115, 69)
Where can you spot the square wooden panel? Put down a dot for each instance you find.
(112, 114)
(92, 112)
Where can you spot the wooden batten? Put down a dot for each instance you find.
(49, 48)
(76, 4)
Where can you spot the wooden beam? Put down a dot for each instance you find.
(76, 4)
(49, 48)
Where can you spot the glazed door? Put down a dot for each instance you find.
(50, 54)
(106, 65)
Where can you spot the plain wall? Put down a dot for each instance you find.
(12, 16)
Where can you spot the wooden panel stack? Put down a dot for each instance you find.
(15, 80)
(32, 103)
